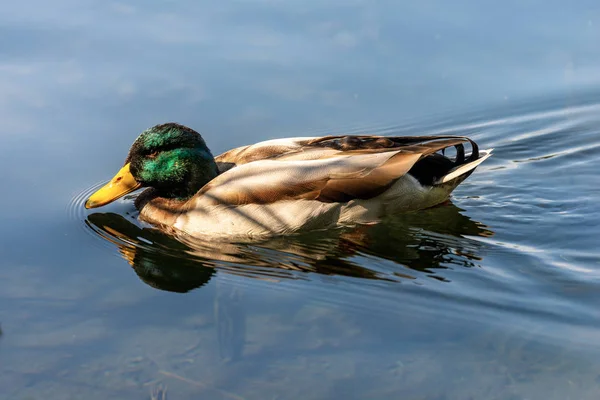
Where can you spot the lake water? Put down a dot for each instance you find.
(494, 296)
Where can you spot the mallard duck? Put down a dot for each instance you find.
(285, 185)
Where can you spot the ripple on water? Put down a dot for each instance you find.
(77, 212)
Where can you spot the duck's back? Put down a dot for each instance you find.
(429, 168)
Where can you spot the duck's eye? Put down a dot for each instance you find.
(153, 154)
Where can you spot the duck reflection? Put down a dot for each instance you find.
(159, 260)
(418, 244)
(423, 243)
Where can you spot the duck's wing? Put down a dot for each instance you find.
(329, 169)
(303, 148)
(266, 150)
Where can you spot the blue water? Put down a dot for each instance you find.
(493, 296)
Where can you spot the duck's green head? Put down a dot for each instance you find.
(171, 158)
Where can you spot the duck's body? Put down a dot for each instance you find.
(297, 184)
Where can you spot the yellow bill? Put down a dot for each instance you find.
(121, 184)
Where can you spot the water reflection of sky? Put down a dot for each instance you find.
(80, 79)
(247, 62)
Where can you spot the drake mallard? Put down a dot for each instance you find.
(285, 185)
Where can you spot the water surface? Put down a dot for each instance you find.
(492, 296)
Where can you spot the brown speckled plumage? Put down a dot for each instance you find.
(414, 155)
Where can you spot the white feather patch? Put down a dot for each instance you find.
(463, 169)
